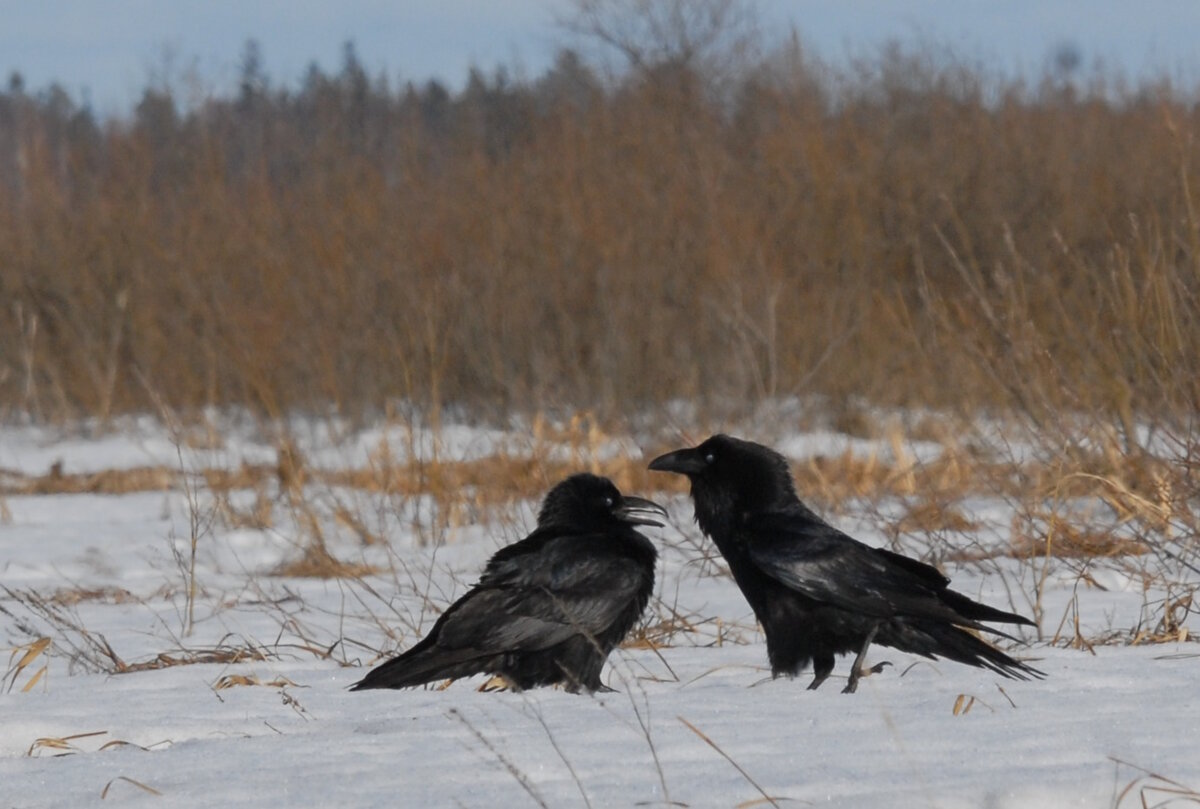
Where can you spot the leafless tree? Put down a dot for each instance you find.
(714, 38)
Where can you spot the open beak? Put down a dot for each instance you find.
(683, 461)
(633, 510)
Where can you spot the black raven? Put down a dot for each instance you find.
(549, 608)
(815, 591)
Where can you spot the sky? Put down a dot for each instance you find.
(104, 52)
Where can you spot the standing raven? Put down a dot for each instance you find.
(548, 609)
(816, 591)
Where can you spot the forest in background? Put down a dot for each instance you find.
(908, 230)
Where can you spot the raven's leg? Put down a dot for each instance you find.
(584, 674)
(822, 666)
(856, 670)
(592, 686)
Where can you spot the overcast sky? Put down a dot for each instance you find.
(104, 51)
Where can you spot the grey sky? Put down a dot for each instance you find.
(107, 49)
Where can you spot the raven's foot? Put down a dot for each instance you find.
(597, 687)
(859, 667)
(817, 680)
(858, 672)
(497, 682)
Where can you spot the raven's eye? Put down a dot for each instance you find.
(608, 501)
(709, 458)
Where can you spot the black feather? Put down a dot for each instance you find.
(817, 592)
(549, 608)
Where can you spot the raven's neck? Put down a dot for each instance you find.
(720, 510)
(721, 517)
(716, 514)
(639, 547)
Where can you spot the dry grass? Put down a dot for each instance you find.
(1145, 497)
(916, 234)
(127, 780)
(1150, 789)
(67, 745)
(84, 648)
(108, 481)
(235, 680)
(69, 596)
(61, 743)
(188, 657)
(318, 563)
(665, 625)
(773, 801)
(504, 478)
(1069, 513)
(1043, 534)
(1171, 626)
(24, 657)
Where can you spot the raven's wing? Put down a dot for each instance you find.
(538, 595)
(820, 562)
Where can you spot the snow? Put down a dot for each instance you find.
(117, 566)
(132, 442)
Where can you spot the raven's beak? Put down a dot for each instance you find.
(683, 461)
(632, 510)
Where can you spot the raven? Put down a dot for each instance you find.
(816, 591)
(549, 608)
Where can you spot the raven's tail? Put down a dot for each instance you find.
(425, 664)
(935, 639)
(974, 611)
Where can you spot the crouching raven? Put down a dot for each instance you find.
(817, 592)
(548, 609)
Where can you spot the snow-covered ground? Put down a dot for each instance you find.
(696, 722)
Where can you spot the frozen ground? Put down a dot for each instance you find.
(696, 722)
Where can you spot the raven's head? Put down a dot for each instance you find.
(590, 500)
(731, 477)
